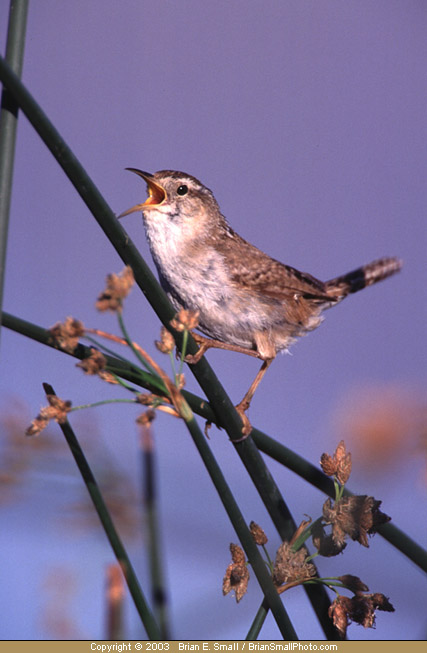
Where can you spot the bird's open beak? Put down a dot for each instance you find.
(156, 193)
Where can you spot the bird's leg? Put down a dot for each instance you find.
(209, 343)
(243, 406)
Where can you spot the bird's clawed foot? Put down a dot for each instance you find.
(204, 345)
(241, 408)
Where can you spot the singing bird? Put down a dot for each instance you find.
(247, 301)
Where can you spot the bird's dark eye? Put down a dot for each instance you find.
(182, 190)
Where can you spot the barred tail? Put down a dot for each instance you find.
(364, 276)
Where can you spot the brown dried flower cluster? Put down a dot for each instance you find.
(258, 534)
(117, 289)
(291, 566)
(360, 609)
(145, 419)
(237, 574)
(325, 543)
(94, 363)
(338, 465)
(57, 410)
(353, 583)
(156, 403)
(355, 516)
(185, 320)
(166, 344)
(148, 399)
(65, 335)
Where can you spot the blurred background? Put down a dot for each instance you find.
(307, 120)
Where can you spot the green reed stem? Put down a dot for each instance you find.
(8, 123)
(233, 511)
(109, 528)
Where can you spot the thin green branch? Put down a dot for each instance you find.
(109, 528)
(103, 402)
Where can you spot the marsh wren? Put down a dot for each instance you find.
(247, 301)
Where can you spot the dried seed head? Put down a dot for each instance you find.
(258, 534)
(328, 464)
(344, 469)
(185, 320)
(57, 410)
(356, 516)
(371, 516)
(237, 554)
(381, 602)
(338, 612)
(360, 609)
(38, 424)
(94, 363)
(353, 583)
(340, 451)
(117, 288)
(343, 463)
(65, 335)
(325, 544)
(338, 465)
(147, 399)
(291, 566)
(166, 344)
(146, 418)
(108, 377)
(237, 574)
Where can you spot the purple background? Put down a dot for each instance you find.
(307, 121)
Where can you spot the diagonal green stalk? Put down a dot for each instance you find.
(233, 511)
(109, 528)
(258, 622)
(183, 350)
(265, 443)
(8, 123)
